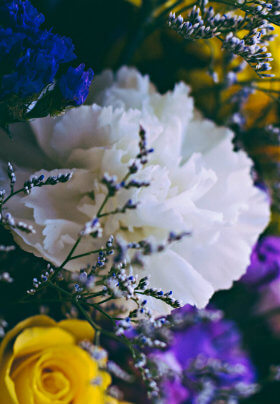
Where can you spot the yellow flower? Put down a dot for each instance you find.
(41, 362)
(260, 100)
(137, 3)
(167, 4)
(257, 103)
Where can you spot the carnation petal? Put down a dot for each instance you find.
(198, 183)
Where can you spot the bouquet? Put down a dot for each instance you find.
(139, 202)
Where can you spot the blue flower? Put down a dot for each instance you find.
(31, 57)
(32, 64)
(74, 84)
(10, 45)
(34, 71)
(20, 13)
(60, 48)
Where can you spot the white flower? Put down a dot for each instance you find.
(198, 183)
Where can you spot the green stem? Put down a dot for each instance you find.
(96, 306)
(86, 254)
(70, 254)
(44, 301)
(85, 314)
(181, 10)
(107, 197)
(91, 295)
(11, 195)
(76, 303)
(112, 212)
(137, 36)
(97, 338)
(87, 317)
(106, 300)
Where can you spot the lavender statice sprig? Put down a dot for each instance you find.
(7, 248)
(6, 218)
(93, 228)
(113, 185)
(260, 9)
(114, 260)
(111, 271)
(205, 23)
(99, 290)
(40, 181)
(202, 374)
(3, 326)
(117, 284)
(249, 49)
(8, 221)
(156, 334)
(12, 176)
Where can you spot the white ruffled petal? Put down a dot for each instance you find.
(197, 182)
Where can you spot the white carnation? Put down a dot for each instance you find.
(198, 183)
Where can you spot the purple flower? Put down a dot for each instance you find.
(207, 359)
(265, 262)
(175, 392)
(74, 84)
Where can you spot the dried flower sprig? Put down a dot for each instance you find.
(99, 290)
(6, 218)
(7, 248)
(3, 326)
(245, 30)
(204, 23)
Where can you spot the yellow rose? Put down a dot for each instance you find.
(41, 362)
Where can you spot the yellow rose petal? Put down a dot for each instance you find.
(75, 364)
(80, 329)
(7, 388)
(56, 383)
(35, 339)
(36, 321)
(23, 383)
(41, 363)
(106, 379)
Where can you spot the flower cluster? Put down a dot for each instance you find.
(265, 263)
(207, 360)
(6, 218)
(192, 356)
(204, 23)
(99, 142)
(30, 61)
(133, 209)
(263, 277)
(74, 84)
(43, 360)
